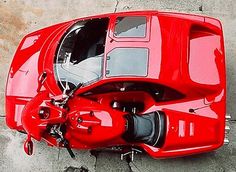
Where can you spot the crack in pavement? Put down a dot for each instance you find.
(117, 2)
(130, 169)
(95, 154)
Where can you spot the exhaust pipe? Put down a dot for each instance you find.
(227, 117)
(227, 129)
(226, 141)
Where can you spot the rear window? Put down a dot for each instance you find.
(127, 62)
(134, 26)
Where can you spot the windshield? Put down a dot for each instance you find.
(81, 53)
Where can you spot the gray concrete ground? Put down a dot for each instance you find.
(18, 18)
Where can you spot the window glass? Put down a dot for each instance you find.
(134, 26)
(81, 53)
(127, 62)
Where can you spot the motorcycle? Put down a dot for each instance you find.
(143, 81)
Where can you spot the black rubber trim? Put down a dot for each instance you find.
(161, 129)
(129, 135)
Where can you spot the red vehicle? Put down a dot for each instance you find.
(132, 81)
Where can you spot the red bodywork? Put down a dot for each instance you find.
(186, 53)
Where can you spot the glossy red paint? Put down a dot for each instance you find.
(186, 53)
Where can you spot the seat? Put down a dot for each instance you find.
(147, 128)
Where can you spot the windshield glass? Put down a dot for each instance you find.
(81, 53)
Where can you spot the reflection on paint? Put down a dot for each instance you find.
(191, 129)
(181, 128)
(29, 41)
